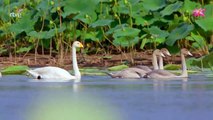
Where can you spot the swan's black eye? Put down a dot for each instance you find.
(39, 77)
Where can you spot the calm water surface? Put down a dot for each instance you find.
(126, 99)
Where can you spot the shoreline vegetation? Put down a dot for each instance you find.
(113, 32)
(87, 61)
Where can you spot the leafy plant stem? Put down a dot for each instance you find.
(51, 47)
(118, 48)
(36, 51)
(42, 27)
(202, 2)
(130, 13)
(14, 43)
(201, 62)
(61, 50)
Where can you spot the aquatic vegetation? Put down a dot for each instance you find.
(204, 62)
(172, 67)
(105, 25)
(17, 69)
(117, 68)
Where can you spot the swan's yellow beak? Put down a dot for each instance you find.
(80, 45)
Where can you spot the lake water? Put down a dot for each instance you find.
(103, 98)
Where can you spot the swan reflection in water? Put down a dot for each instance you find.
(76, 86)
(163, 83)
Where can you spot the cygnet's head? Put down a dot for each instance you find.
(165, 51)
(158, 53)
(185, 52)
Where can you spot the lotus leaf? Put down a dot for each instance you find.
(15, 69)
(178, 33)
(154, 5)
(171, 8)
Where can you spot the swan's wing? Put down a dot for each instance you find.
(127, 73)
(158, 74)
(51, 73)
(146, 68)
(165, 73)
(139, 71)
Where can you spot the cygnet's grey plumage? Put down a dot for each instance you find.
(136, 72)
(161, 74)
(132, 73)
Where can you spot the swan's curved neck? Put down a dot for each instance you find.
(75, 64)
(160, 62)
(154, 61)
(184, 68)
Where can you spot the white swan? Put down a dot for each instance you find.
(136, 72)
(51, 72)
(161, 74)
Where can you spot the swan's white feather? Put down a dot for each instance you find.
(51, 73)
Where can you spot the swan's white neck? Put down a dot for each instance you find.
(184, 68)
(75, 64)
(160, 62)
(154, 61)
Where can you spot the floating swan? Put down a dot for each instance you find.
(158, 74)
(134, 72)
(51, 72)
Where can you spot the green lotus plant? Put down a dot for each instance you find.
(124, 25)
